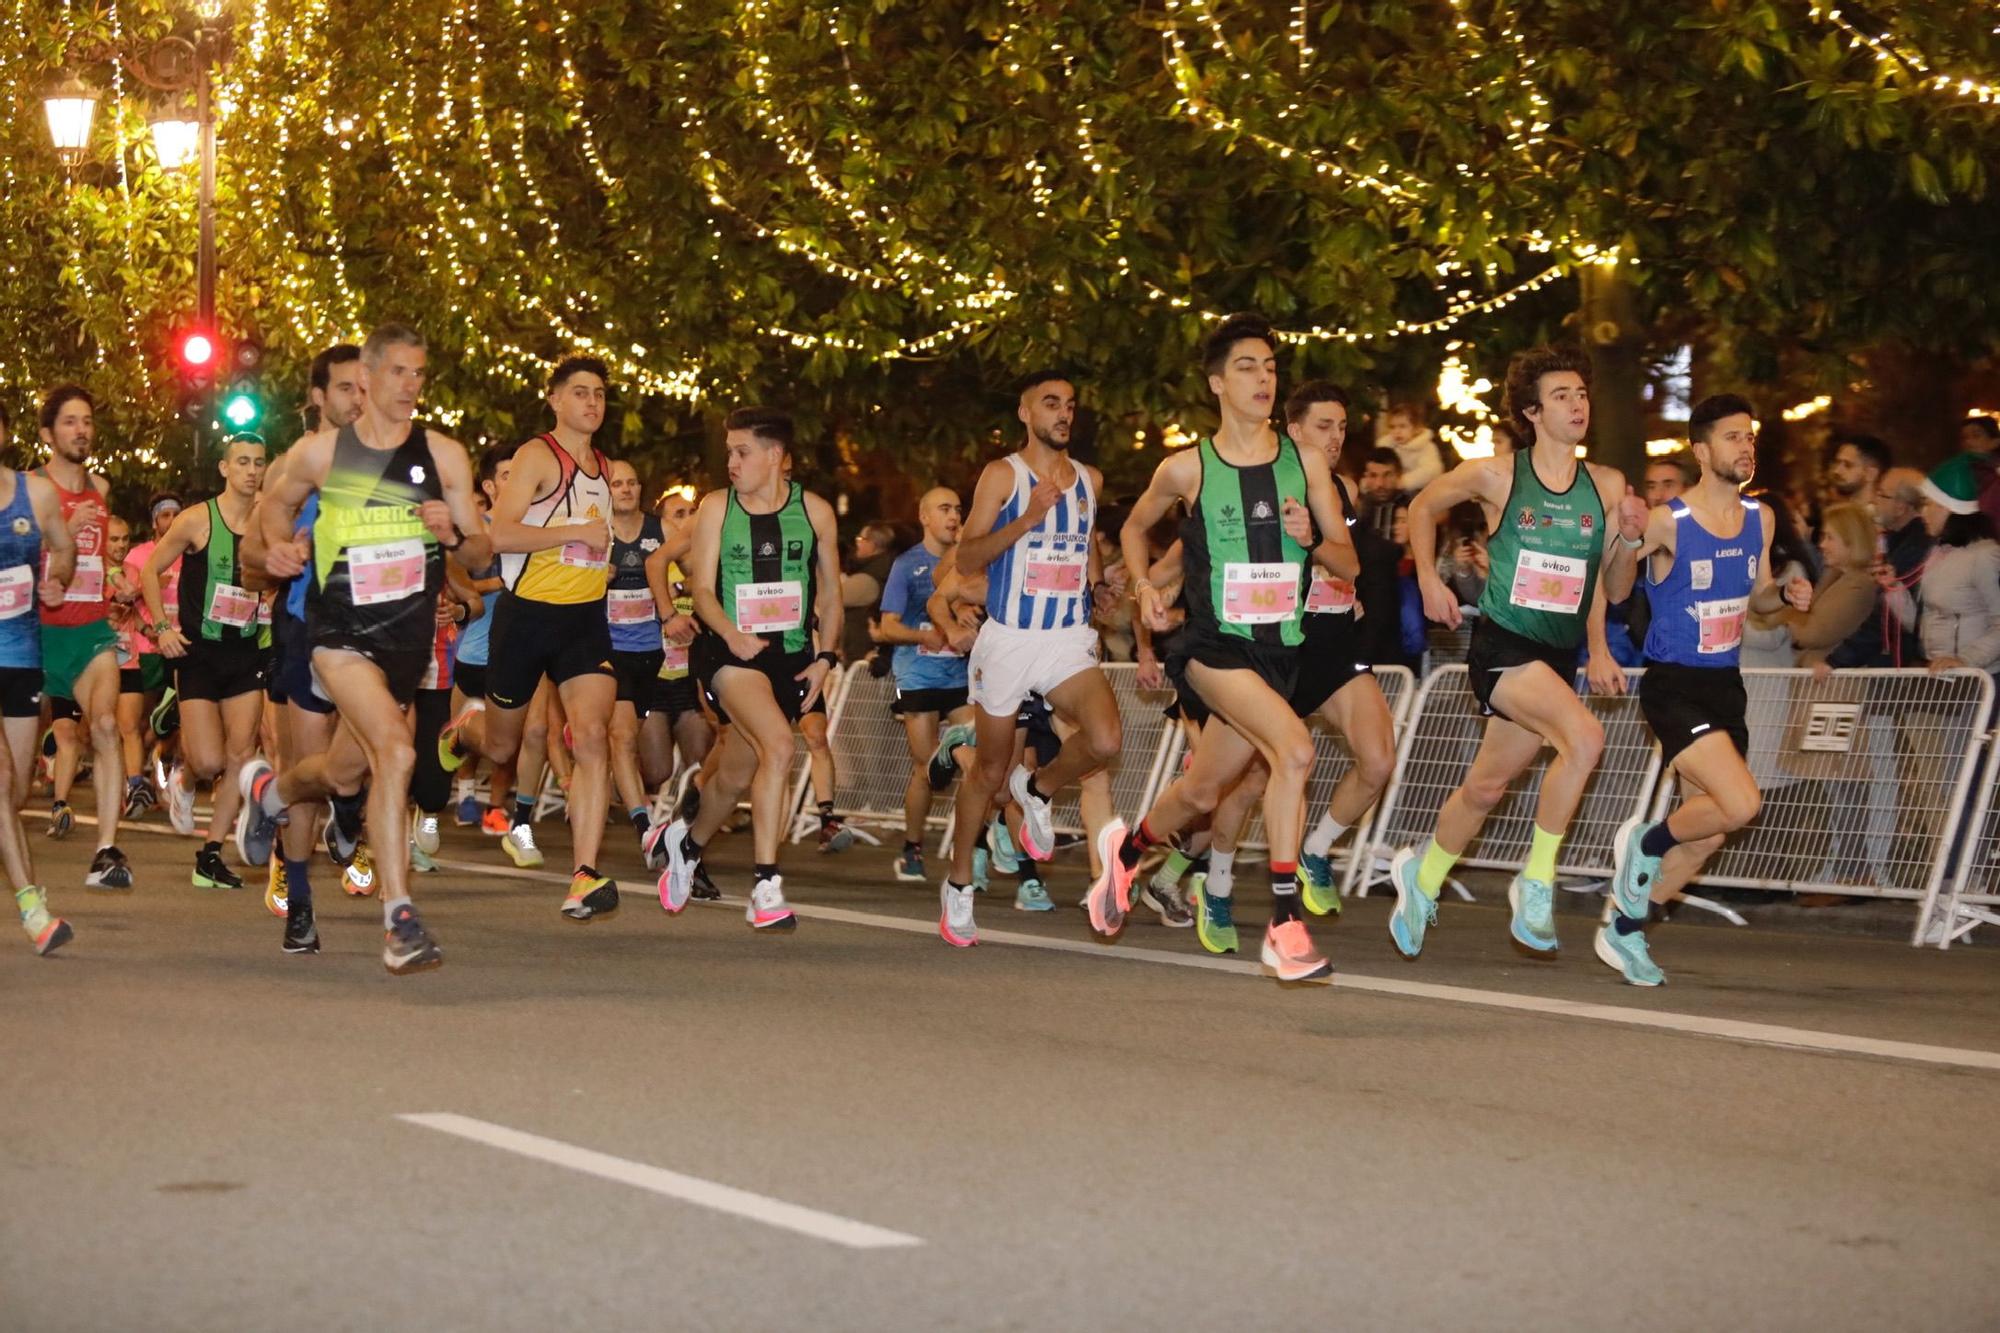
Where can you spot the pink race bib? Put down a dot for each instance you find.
(628, 606)
(1548, 583)
(17, 591)
(1721, 624)
(386, 571)
(1259, 593)
(1329, 595)
(769, 608)
(231, 605)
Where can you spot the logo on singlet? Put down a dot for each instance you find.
(1263, 510)
(738, 551)
(1525, 519)
(768, 548)
(417, 475)
(1589, 521)
(21, 526)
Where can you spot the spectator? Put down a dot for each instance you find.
(1979, 437)
(1767, 639)
(1667, 477)
(1855, 467)
(1959, 621)
(1418, 457)
(1381, 490)
(1111, 604)
(1381, 540)
(1840, 629)
(1899, 499)
(861, 588)
(1462, 561)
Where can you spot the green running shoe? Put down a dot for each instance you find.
(1316, 887)
(1214, 918)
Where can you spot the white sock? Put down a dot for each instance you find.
(464, 788)
(1324, 834)
(1221, 873)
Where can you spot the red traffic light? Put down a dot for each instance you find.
(197, 351)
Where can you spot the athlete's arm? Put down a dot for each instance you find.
(1658, 543)
(1627, 518)
(700, 571)
(826, 582)
(978, 545)
(1766, 594)
(463, 588)
(250, 548)
(535, 474)
(1178, 477)
(56, 538)
(475, 545)
(658, 584)
(182, 534)
(306, 464)
(1600, 668)
(889, 626)
(1335, 552)
(1475, 479)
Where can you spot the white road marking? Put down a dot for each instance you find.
(689, 1189)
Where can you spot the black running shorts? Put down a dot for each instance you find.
(535, 639)
(1683, 703)
(1495, 650)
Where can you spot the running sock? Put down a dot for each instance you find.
(1542, 856)
(1173, 867)
(764, 872)
(690, 849)
(524, 810)
(1135, 844)
(826, 819)
(1324, 834)
(389, 911)
(211, 846)
(1431, 871)
(1221, 873)
(911, 848)
(347, 813)
(1658, 840)
(1627, 925)
(297, 887)
(1284, 892)
(1033, 790)
(641, 821)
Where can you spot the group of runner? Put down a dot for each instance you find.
(409, 614)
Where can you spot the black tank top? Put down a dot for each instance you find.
(377, 571)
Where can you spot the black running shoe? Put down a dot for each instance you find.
(407, 946)
(136, 803)
(702, 886)
(110, 870)
(166, 717)
(690, 804)
(210, 872)
(340, 844)
(301, 931)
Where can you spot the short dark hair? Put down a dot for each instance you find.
(1680, 462)
(1986, 426)
(390, 335)
(1965, 529)
(769, 424)
(577, 365)
(1713, 409)
(322, 365)
(158, 498)
(1872, 448)
(1035, 379)
(1412, 408)
(60, 397)
(1310, 395)
(490, 461)
(1385, 456)
(1215, 348)
(1524, 381)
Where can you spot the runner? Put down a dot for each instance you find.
(79, 646)
(219, 668)
(1258, 509)
(1710, 560)
(552, 528)
(677, 721)
(765, 576)
(1031, 520)
(1555, 563)
(30, 515)
(127, 619)
(153, 710)
(469, 667)
(930, 676)
(638, 763)
(395, 498)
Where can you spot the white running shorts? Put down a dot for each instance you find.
(1009, 664)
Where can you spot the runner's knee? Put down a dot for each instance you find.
(1375, 763)
(1739, 805)
(1582, 742)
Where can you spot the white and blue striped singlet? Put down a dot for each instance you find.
(1042, 581)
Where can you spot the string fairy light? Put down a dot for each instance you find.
(1898, 55)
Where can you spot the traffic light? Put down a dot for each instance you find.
(243, 407)
(195, 355)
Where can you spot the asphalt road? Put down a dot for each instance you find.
(1042, 1133)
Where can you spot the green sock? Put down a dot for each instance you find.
(1542, 856)
(1173, 868)
(1437, 863)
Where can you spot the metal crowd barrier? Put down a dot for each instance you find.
(871, 758)
(1973, 896)
(1438, 745)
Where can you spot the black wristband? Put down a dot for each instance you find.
(828, 656)
(455, 545)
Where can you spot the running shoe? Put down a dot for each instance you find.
(767, 909)
(496, 823)
(835, 836)
(1289, 955)
(425, 833)
(211, 872)
(1629, 954)
(109, 870)
(1316, 887)
(981, 865)
(450, 757)
(357, 877)
(340, 842)
(180, 801)
(1038, 821)
(653, 846)
(519, 844)
(275, 897)
(62, 820)
(910, 866)
(1165, 898)
(592, 896)
(678, 878)
(1416, 911)
(166, 716)
(1111, 894)
(690, 804)
(955, 923)
(1006, 858)
(407, 946)
(704, 889)
(256, 835)
(1214, 918)
(302, 931)
(421, 861)
(467, 813)
(47, 933)
(943, 768)
(1033, 896)
(1533, 928)
(1635, 872)
(137, 799)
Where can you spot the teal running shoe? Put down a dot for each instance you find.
(942, 770)
(1032, 897)
(1629, 955)
(1316, 887)
(1534, 926)
(1006, 859)
(1416, 911)
(1632, 882)
(981, 862)
(1214, 918)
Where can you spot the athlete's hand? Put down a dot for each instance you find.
(172, 642)
(435, 515)
(1799, 592)
(962, 636)
(1298, 522)
(1041, 500)
(594, 533)
(931, 639)
(679, 631)
(443, 615)
(1632, 515)
(1440, 602)
(814, 676)
(52, 593)
(1822, 669)
(746, 645)
(1603, 674)
(1152, 676)
(85, 514)
(1152, 608)
(288, 559)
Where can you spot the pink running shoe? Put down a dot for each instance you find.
(1111, 895)
(1289, 954)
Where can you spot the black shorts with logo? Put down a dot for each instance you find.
(213, 673)
(708, 654)
(1275, 665)
(20, 691)
(1329, 658)
(1683, 703)
(1494, 651)
(638, 678)
(939, 701)
(560, 640)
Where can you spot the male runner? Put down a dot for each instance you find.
(764, 572)
(638, 763)
(154, 708)
(552, 528)
(1258, 509)
(1031, 520)
(395, 498)
(677, 719)
(1709, 559)
(474, 650)
(930, 676)
(1555, 562)
(79, 645)
(219, 668)
(30, 516)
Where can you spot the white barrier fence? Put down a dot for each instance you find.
(1973, 896)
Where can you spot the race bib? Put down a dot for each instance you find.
(1329, 595)
(232, 606)
(946, 651)
(17, 591)
(263, 612)
(386, 571)
(579, 555)
(1259, 593)
(674, 659)
(1721, 624)
(87, 585)
(1548, 582)
(1053, 566)
(768, 608)
(629, 606)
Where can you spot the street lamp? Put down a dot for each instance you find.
(70, 106)
(176, 137)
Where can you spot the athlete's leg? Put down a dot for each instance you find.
(131, 716)
(1360, 713)
(633, 792)
(920, 734)
(240, 719)
(1260, 715)
(69, 758)
(1505, 752)
(97, 695)
(202, 757)
(730, 769)
(1087, 701)
(588, 700)
(979, 784)
(531, 760)
(22, 733)
(562, 761)
(382, 731)
(430, 785)
(18, 737)
(762, 725)
(1536, 698)
(1719, 797)
(306, 733)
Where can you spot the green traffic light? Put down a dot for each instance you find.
(241, 411)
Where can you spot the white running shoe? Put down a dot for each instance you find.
(426, 834)
(768, 909)
(519, 843)
(955, 923)
(180, 802)
(1038, 821)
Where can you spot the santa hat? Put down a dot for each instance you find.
(1953, 485)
